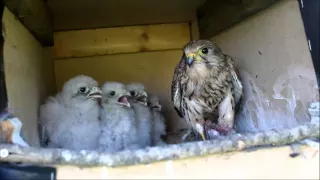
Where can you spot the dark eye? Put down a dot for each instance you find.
(83, 90)
(132, 93)
(204, 50)
(112, 93)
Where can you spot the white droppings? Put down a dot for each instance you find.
(292, 92)
(4, 153)
(89, 157)
(314, 111)
(66, 155)
(105, 159)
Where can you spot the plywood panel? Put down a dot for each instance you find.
(84, 14)
(104, 41)
(194, 30)
(28, 73)
(272, 48)
(153, 69)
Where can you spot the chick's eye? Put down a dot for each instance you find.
(112, 93)
(83, 90)
(132, 93)
(204, 50)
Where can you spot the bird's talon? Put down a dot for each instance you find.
(203, 136)
(225, 130)
(184, 137)
(208, 123)
(212, 134)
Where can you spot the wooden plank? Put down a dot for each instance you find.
(267, 163)
(216, 16)
(194, 30)
(35, 16)
(91, 42)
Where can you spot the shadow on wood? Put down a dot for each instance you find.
(216, 16)
(35, 16)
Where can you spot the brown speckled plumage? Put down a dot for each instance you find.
(205, 79)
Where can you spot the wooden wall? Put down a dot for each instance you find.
(28, 72)
(146, 54)
(272, 48)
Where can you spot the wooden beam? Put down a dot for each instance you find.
(130, 39)
(216, 16)
(263, 163)
(35, 16)
(299, 161)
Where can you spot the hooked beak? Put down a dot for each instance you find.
(143, 99)
(157, 107)
(123, 100)
(190, 58)
(95, 93)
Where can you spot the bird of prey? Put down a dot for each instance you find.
(206, 86)
(138, 100)
(158, 128)
(70, 120)
(118, 124)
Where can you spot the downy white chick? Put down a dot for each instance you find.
(138, 100)
(158, 122)
(71, 119)
(118, 122)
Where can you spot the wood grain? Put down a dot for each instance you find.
(92, 42)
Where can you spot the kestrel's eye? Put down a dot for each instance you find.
(132, 93)
(204, 50)
(112, 93)
(83, 90)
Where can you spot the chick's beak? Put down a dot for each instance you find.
(123, 100)
(95, 93)
(143, 99)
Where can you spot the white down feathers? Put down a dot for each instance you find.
(117, 117)
(70, 119)
(118, 123)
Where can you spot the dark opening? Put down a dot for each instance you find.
(3, 89)
(310, 15)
